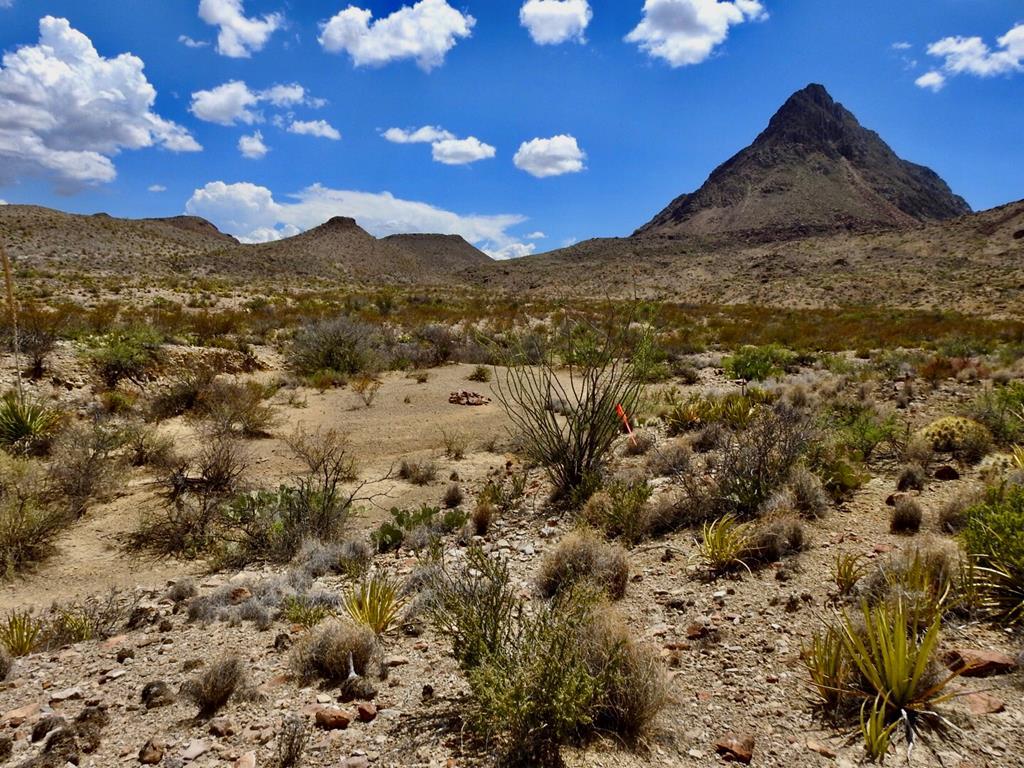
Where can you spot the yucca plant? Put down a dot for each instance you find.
(994, 537)
(829, 668)
(893, 661)
(26, 426)
(1018, 454)
(21, 633)
(849, 570)
(375, 603)
(875, 730)
(723, 544)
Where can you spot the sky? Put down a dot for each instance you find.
(523, 125)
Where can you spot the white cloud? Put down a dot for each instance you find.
(973, 56)
(6, 4)
(447, 148)
(157, 188)
(3, 202)
(233, 102)
(319, 128)
(685, 32)
(933, 81)
(424, 32)
(536, 236)
(550, 157)
(428, 134)
(239, 36)
(511, 251)
(251, 213)
(901, 46)
(66, 111)
(226, 104)
(551, 22)
(462, 151)
(188, 42)
(252, 147)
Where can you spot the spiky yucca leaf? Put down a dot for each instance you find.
(723, 543)
(25, 424)
(375, 603)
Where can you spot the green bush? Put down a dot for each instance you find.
(342, 346)
(126, 355)
(994, 536)
(432, 520)
(759, 363)
(1001, 410)
(620, 510)
(860, 428)
(29, 525)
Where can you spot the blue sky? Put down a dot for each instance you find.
(551, 120)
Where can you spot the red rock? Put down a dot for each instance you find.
(153, 752)
(240, 595)
(366, 712)
(984, 704)
(19, 716)
(971, 662)
(738, 748)
(821, 749)
(332, 719)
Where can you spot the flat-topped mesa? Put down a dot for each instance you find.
(814, 170)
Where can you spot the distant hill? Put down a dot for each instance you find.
(813, 170)
(448, 253)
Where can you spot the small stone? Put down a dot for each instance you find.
(946, 472)
(397, 661)
(821, 749)
(248, 760)
(68, 694)
(738, 748)
(45, 725)
(366, 712)
(323, 698)
(157, 694)
(166, 625)
(221, 727)
(124, 654)
(152, 752)
(17, 717)
(984, 704)
(240, 595)
(332, 719)
(196, 748)
(356, 762)
(979, 663)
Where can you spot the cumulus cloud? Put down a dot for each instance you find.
(973, 56)
(685, 32)
(239, 36)
(428, 134)
(157, 188)
(234, 102)
(251, 213)
(933, 81)
(319, 128)
(66, 111)
(252, 147)
(188, 42)
(447, 148)
(3, 202)
(550, 157)
(551, 22)
(536, 236)
(424, 32)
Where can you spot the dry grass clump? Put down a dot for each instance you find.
(333, 651)
(213, 688)
(907, 515)
(670, 459)
(640, 443)
(453, 497)
(912, 478)
(582, 556)
(418, 472)
(775, 538)
(6, 663)
(483, 514)
(621, 510)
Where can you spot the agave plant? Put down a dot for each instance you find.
(21, 633)
(723, 544)
(26, 426)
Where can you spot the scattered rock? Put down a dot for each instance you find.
(356, 762)
(88, 726)
(332, 719)
(68, 694)
(17, 717)
(240, 595)
(464, 397)
(738, 748)
(821, 749)
(946, 472)
(157, 694)
(46, 724)
(984, 704)
(61, 747)
(123, 654)
(366, 712)
(971, 662)
(248, 760)
(196, 748)
(221, 727)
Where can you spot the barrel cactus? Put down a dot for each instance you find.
(960, 436)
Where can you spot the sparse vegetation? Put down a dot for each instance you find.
(583, 557)
(213, 688)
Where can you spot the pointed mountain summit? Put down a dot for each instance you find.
(814, 170)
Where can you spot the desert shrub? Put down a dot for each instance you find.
(710, 438)
(96, 618)
(375, 603)
(238, 408)
(424, 524)
(582, 556)
(480, 374)
(182, 590)
(185, 393)
(366, 386)
(214, 687)
(349, 558)
(130, 354)
(918, 450)
(418, 472)
(922, 579)
(670, 459)
(599, 376)
(620, 510)
(734, 410)
(84, 463)
(994, 537)
(506, 494)
(455, 444)
(839, 474)
(907, 515)
(27, 426)
(341, 346)
(774, 538)
(6, 663)
(759, 363)
(300, 610)
(483, 514)
(912, 478)
(1001, 410)
(453, 497)
(860, 427)
(292, 738)
(809, 496)
(964, 438)
(38, 332)
(758, 461)
(29, 522)
(639, 443)
(146, 447)
(332, 651)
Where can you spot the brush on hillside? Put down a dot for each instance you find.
(12, 308)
